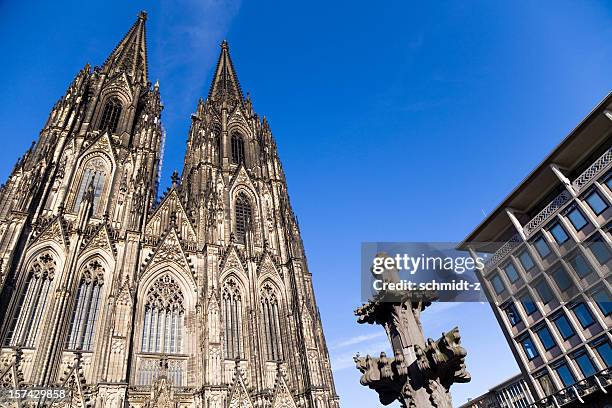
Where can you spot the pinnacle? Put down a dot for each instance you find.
(225, 84)
(130, 55)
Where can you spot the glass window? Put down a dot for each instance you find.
(546, 384)
(529, 348)
(498, 284)
(111, 115)
(605, 352)
(565, 375)
(546, 338)
(237, 149)
(526, 260)
(581, 266)
(584, 315)
(513, 315)
(577, 219)
(541, 246)
(602, 297)
(544, 291)
(558, 232)
(600, 250)
(564, 326)
(528, 304)
(609, 183)
(585, 364)
(597, 204)
(562, 279)
(511, 272)
(243, 217)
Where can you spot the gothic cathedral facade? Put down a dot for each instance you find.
(201, 298)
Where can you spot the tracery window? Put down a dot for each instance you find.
(32, 302)
(150, 370)
(110, 115)
(231, 310)
(85, 312)
(163, 317)
(243, 216)
(95, 172)
(271, 323)
(237, 149)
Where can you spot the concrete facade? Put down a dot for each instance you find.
(547, 275)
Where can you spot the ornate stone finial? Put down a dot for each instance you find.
(224, 45)
(434, 367)
(142, 15)
(175, 178)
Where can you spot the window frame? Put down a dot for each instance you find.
(578, 316)
(549, 290)
(585, 261)
(545, 328)
(569, 325)
(544, 242)
(498, 278)
(510, 265)
(560, 268)
(601, 342)
(564, 364)
(576, 210)
(522, 340)
(592, 193)
(553, 226)
(520, 259)
(580, 354)
(609, 302)
(597, 239)
(514, 310)
(532, 302)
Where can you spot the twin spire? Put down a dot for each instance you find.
(225, 83)
(130, 56)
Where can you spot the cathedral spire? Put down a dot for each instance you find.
(225, 83)
(130, 55)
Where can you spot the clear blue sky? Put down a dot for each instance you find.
(401, 122)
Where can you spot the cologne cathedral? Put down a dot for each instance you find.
(120, 297)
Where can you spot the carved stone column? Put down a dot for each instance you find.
(420, 373)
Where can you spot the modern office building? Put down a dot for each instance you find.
(547, 273)
(200, 299)
(512, 393)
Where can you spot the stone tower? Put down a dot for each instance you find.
(201, 299)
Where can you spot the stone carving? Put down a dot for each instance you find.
(420, 373)
(154, 345)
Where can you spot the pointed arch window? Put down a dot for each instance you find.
(243, 216)
(110, 115)
(95, 174)
(231, 310)
(237, 149)
(86, 308)
(32, 302)
(271, 323)
(163, 318)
